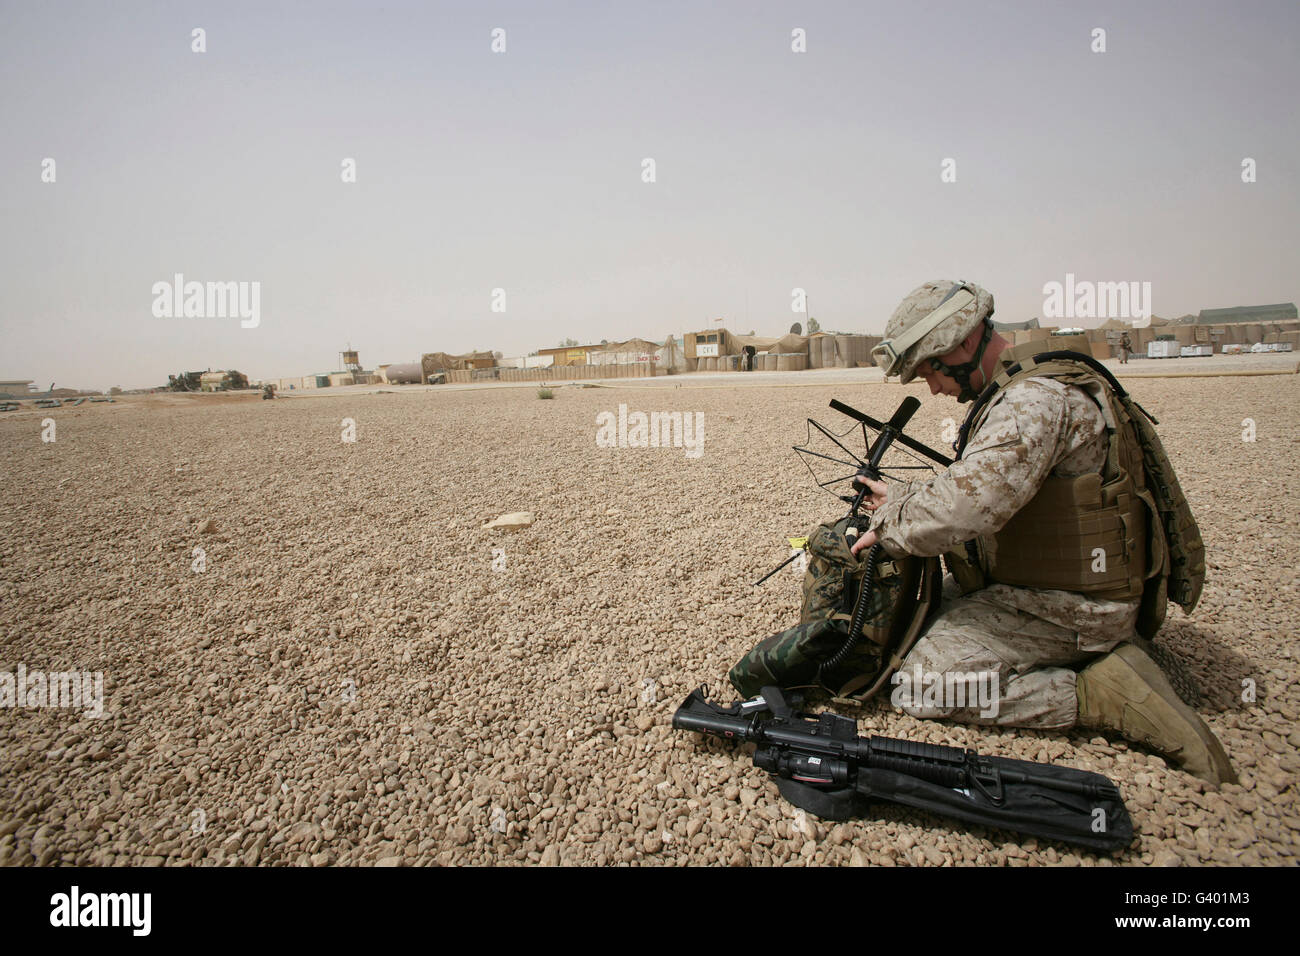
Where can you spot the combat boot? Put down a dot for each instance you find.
(1125, 691)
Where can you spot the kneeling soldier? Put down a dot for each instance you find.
(1047, 521)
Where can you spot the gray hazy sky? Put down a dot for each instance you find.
(522, 170)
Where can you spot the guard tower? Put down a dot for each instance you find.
(350, 362)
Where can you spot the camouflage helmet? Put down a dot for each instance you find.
(933, 320)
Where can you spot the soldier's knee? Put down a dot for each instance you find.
(954, 691)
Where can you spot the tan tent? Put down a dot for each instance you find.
(434, 362)
(789, 343)
(736, 343)
(1116, 324)
(672, 357)
(631, 345)
(1024, 326)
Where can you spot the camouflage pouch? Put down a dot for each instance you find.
(791, 658)
(831, 586)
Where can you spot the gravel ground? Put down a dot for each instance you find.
(360, 675)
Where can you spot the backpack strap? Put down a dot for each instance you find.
(930, 587)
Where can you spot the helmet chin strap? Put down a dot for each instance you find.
(961, 373)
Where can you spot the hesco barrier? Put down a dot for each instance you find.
(854, 351)
(827, 343)
(791, 362)
(557, 373)
(844, 351)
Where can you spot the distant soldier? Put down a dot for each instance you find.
(1061, 637)
(268, 391)
(1125, 348)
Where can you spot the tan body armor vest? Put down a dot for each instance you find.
(1095, 534)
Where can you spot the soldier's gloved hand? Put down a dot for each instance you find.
(865, 540)
(878, 490)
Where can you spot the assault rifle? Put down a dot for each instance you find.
(823, 766)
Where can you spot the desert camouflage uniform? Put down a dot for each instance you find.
(1030, 638)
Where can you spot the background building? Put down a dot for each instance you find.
(1281, 312)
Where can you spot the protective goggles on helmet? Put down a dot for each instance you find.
(888, 355)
